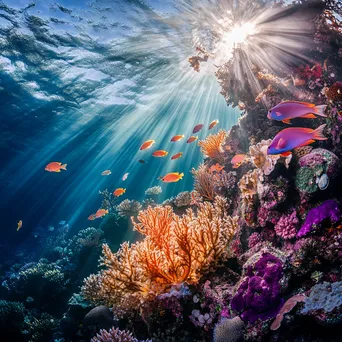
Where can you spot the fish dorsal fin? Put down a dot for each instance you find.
(299, 102)
(281, 143)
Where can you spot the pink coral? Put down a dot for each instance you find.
(286, 226)
(254, 239)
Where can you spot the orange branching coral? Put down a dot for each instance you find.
(204, 182)
(212, 146)
(174, 250)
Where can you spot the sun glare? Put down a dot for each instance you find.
(240, 33)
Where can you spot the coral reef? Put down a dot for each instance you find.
(114, 335)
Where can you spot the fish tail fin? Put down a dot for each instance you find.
(318, 133)
(63, 167)
(181, 175)
(319, 110)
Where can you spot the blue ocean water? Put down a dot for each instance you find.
(86, 84)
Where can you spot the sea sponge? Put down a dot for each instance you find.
(286, 227)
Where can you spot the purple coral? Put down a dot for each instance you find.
(258, 296)
(114, 335)
(286, 226)
(254, 239)
(327, 210)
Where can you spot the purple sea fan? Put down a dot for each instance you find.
(327, 210)
(286, 226)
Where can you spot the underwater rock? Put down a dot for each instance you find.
(229, 330)
(315, 171)
(327, 210)
(100, 316)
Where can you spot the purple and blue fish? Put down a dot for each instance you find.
(287, 110)
(293, 137)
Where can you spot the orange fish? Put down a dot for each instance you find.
(213, 124)
(92, 217)
(147, 144)
(216, 168)
(160, 153)
(118, 192)
(20, 224)
(192, 139)
(55, 167)
(177, 155)
(238, 160)
(197, 128)
(106, 173)
(172, 177)
(100, 213)
(177, 138)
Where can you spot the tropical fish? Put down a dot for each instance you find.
(216, 168)
(192, 139)
(92, 217)
(101, 212)
(55, 167)
(119, 191)
(290, 138)
(106, 173)
(177, 138)
(213, 124)
(237, 160)
(20, 224)
(124, 177)
(141, 161)
(160, 153)
(147, 144)
(197, 128)
(287, 110)
(177, 155)
(172, 177)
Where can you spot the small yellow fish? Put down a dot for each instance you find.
(172, 177)
(106, 173)
(213, 124)
(20, 224)
(216, 168)
(238, 160)
(177, 155)
(55, 167)
(118, 192)
(147, 144)
(192, 139)
(160, 153)
(177, 138)
(101, 212)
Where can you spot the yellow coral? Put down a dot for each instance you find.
(212, 146)
(174, 250)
